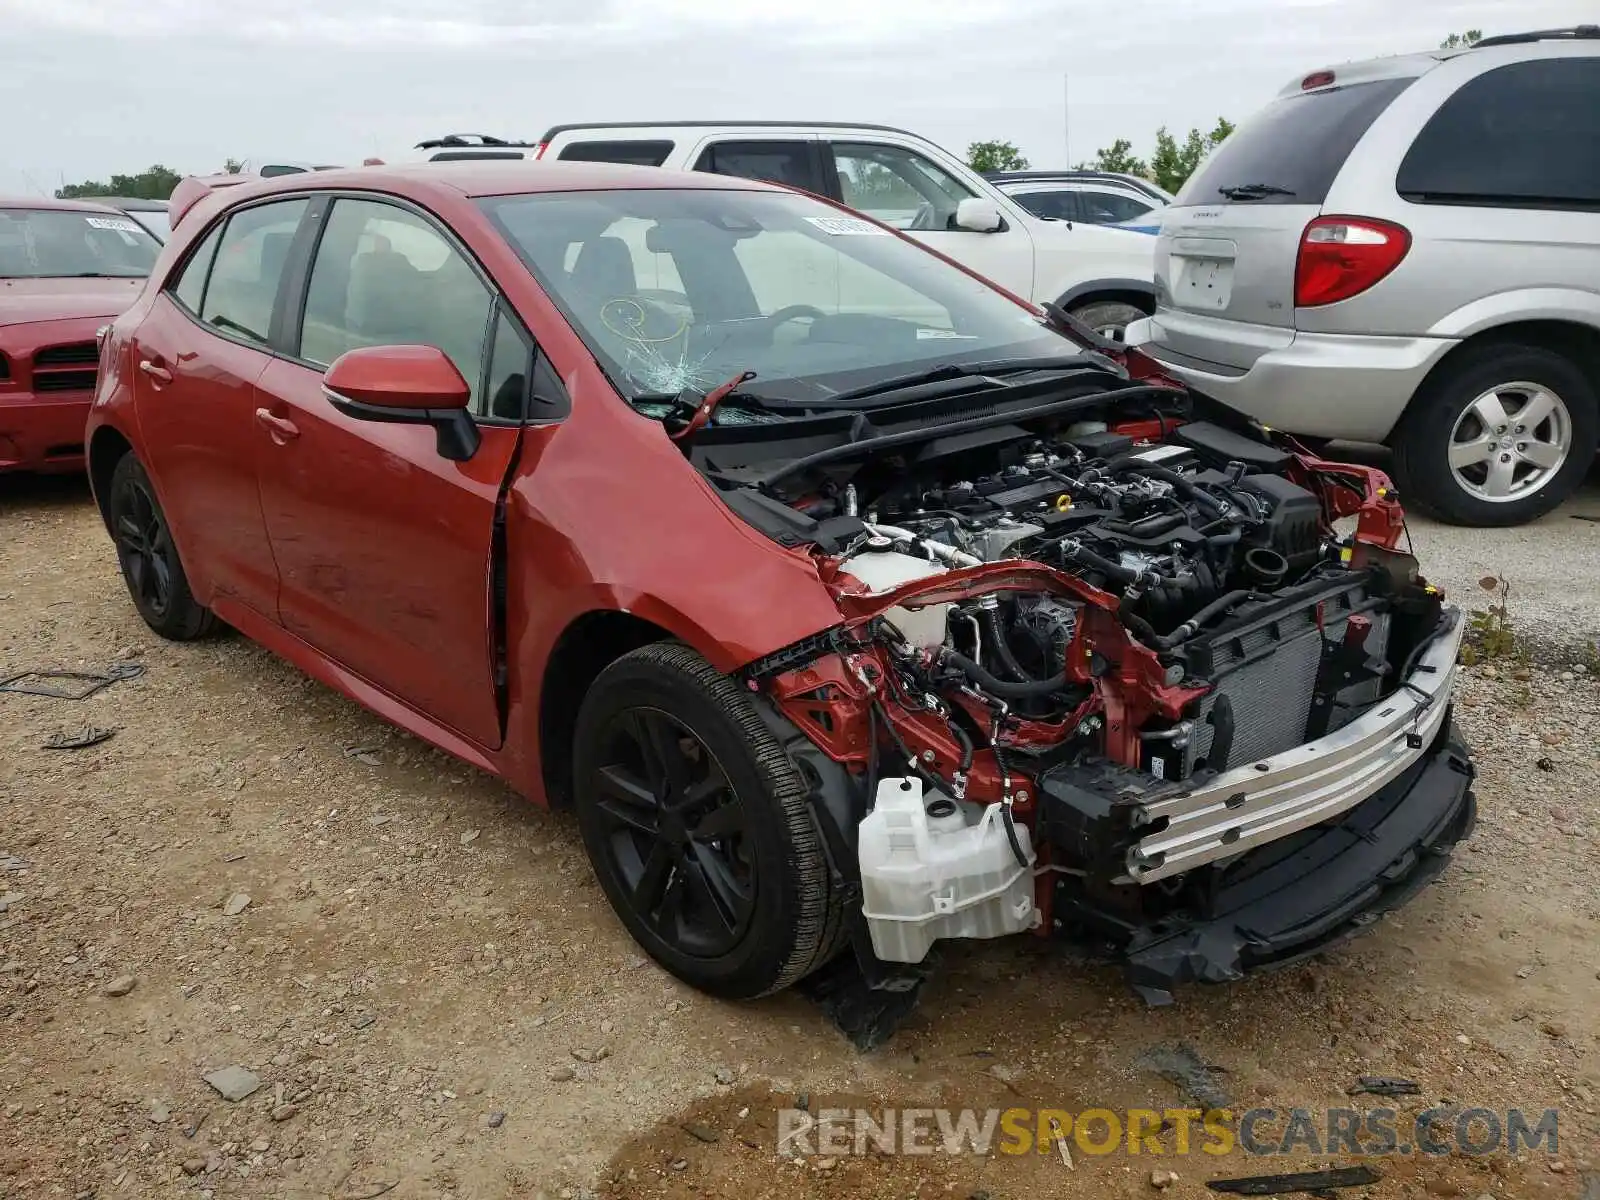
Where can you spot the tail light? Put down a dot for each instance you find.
(1342, 257)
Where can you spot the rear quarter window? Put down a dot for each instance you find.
(1525, 135)
(636, 153)
(1298, 143)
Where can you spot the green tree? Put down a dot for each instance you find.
(1173, 163)
(1460, 41)
(995, 156)
(232, 166)
(155, 183)
(1118, 157)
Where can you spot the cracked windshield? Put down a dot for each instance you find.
(685, 289)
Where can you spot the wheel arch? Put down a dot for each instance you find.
(107, 447)
(588, 645)
(1137, 292)
(1576, 341)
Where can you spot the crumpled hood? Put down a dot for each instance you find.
(23, 301)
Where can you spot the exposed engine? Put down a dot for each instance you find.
(1125, 652)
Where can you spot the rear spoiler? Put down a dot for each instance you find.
(194, 188)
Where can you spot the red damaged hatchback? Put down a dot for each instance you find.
(852, 603)
(66, 268)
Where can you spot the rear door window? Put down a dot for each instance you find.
(1525, 135)
(1295, 147)
(1060, 205)
(249, 266)
(639, 154)
(791, 163)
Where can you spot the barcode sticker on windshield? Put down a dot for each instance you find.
(847, 226)
(120, 224)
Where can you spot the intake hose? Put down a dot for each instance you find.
(1076, 552)
(1001, 687)
(989, 616)
(1192, 626)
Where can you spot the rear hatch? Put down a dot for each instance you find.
(1225, 261)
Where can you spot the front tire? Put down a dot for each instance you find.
(149, 557)
(1500, 436)
(699, 827)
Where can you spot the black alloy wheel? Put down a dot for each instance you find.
(676, 832)
(149, 558)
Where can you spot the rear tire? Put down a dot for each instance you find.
(700, 828)
(1109, 318)
(1461, 454)
(149, 557)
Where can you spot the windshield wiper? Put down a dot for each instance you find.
(971, 370)
(682, 426)
(1255, 191)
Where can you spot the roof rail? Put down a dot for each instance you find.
(1571, 33)
(457, 140)
(556, 130)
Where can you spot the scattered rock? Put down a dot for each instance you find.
(585, 1055)
(362, 1020)
(679, 1164)
(11, 898)
(1526, 971)
(234, 1083)
(193, 1166)
(1546, 764)
(1444, 1187)
(236, 904)
(1555, 1029)
(701, 1133)
(160, 1112)
(1557, 1167)
(284, 1111)
(120, 986)
(494, 1120)
(1162, 1180)
(724, 1076)
(470, 836)
(562, 1074)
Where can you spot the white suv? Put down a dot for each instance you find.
(1102, 276)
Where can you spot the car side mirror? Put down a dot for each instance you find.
(406, 385)
(979, 214)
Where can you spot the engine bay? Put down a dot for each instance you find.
(1067, 634)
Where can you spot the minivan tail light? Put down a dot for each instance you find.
(1317, 79)
(1342, 257)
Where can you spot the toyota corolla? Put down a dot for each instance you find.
(853, 603)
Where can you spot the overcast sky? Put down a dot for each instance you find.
(91, 87)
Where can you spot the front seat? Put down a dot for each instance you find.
(604, 270)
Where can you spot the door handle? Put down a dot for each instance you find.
(155, 370)
(281, 428)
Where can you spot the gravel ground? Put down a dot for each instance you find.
(1552, 565)
(434, 999)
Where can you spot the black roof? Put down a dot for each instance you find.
(554, 130)
(460, 140)
(1572, 32)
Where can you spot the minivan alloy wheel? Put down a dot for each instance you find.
(1510, 441)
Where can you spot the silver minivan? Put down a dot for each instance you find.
(1407, 250)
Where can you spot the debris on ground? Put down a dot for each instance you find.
(234, 1083)
(69, 685)
(79, 739)
(1384, 1085)
(120, 986)
(1300, 1181)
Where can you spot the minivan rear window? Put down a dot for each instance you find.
(1292, 150)
(639, 154)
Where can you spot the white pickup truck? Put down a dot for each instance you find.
(1104, 276)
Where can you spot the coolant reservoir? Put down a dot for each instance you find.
(933, 867)
(881, 570)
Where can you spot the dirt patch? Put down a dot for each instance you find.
(435, 999)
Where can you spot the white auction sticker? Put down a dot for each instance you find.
(847, 226)
(120, 224)
(944, 335)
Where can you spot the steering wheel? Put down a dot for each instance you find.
(927, 217)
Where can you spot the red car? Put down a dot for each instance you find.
(65, 269)
(851, 601)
